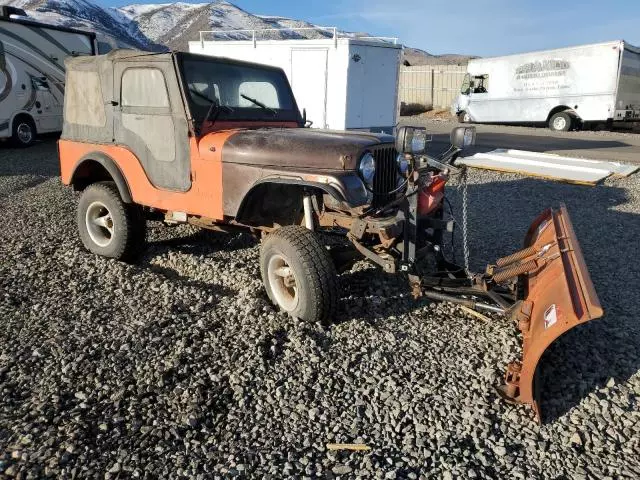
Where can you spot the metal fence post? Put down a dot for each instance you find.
(433, 87)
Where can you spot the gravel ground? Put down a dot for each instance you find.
(178, 366)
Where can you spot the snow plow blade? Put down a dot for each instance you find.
(558, 296)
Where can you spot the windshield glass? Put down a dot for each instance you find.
(239, 91)
(466, 85)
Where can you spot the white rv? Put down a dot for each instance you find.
(567, 88)
(32, 74)
(342, 82)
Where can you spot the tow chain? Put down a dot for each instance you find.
(464, 184)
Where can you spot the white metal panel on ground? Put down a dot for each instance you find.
(556, 167)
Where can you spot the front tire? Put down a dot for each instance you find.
(108, 226)
(298, 274)
(24, 132)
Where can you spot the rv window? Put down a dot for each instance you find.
(481, 84)
(40, 84)
(466, 85)
(144, 87)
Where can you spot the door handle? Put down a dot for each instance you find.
(114, 103)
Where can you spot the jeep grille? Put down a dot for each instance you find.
(386, 176)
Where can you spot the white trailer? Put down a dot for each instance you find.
(343, 83)
(32, 74)
(565, 88)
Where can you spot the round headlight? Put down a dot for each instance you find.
(367, 167)
(403, 164)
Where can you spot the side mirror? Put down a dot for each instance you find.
(412, 140)
(463, 137)
(306, 123)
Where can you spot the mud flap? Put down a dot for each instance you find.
(557, 297)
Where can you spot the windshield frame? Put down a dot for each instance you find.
(293, 115)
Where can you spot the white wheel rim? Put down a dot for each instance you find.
(466, 118)
(25, 134)
(282, 281)
(99, 224)
(560, 123)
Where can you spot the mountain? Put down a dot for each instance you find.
(109, 24)
(174, 24)
(171, 25)
(415, 56)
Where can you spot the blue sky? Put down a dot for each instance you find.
(479, 27)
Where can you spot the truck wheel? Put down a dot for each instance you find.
(108, 226)
(24, 132)
(561, 122)
(464, 117)
(298, 274)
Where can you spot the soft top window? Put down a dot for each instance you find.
(83, 103)
(144, 87)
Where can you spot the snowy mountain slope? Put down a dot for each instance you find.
(109, 24)
(174, 24)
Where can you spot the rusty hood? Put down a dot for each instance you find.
(300, 147)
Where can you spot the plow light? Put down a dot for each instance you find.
(463, 137)
(412, 140)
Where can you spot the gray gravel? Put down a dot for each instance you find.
(178, 366)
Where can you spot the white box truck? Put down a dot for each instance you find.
(32, 73)
(567, 88)
(342, 82)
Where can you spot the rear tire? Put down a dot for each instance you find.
(464, 117)
(298, 274)
(561, 122)
(108, 226)
(24, 131)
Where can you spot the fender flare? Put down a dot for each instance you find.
(112, 168)
(298, 182)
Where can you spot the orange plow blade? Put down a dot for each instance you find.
(559, 295)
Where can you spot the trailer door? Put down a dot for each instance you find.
(309, 83)
(372, 90)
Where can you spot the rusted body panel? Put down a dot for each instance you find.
(209, 126)
(300, 147)
(220, 184)
(559, 296)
